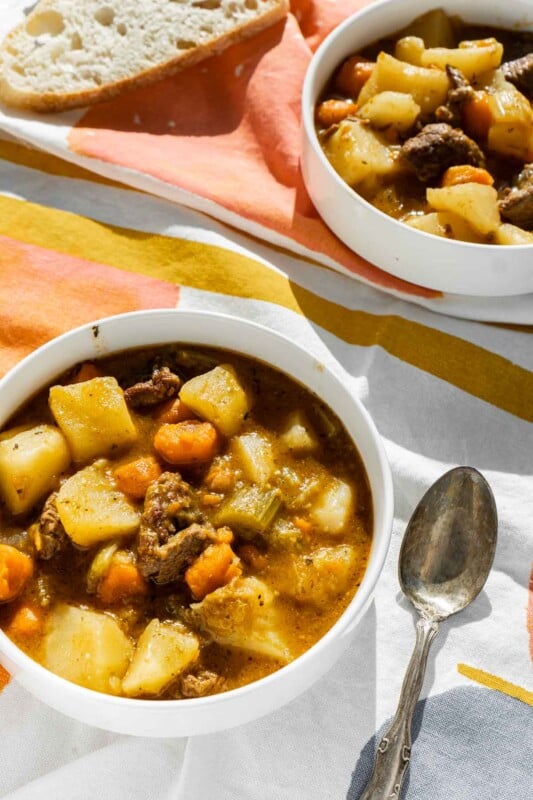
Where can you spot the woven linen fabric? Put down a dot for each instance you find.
(442, 392)
(223, 137)
(86, 233)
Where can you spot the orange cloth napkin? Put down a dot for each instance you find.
(228, 130)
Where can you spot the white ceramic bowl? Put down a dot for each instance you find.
(442, 264)
(203, 715)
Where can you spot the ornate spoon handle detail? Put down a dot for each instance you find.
(394, 750)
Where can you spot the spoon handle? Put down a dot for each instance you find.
(394, 750)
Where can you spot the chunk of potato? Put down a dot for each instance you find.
(472, 58)
(297, 434)
(31, 461)
(320, 576)
(219, 397)
(447, 225)
(427, 223)
(254, 453)
(427, 86)
(473, 202)
(333, 507)
(410, 49)
(391, 109)
(360, 154)
(434, 28)
(93, 416)
(458, 228)
(243, 614)
(512, 234)
(86, 647)
(511, 130)
(92, 510)
(164, 650)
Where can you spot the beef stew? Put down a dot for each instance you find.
(434, 127)
(176, 522)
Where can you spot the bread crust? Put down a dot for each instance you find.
(47, 102)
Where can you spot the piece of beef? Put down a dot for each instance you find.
(437, 147)
(200, 684)
(516, 204)
(520, 73)
(459, 93)
(168, 562)
(49, 535)
(172, 531)
(163, 385)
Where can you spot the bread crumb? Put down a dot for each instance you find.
(171, 124)
(136, 119)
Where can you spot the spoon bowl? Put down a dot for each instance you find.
(449, 544)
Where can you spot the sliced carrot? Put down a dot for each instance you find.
(16, 569)
(121, 582)
(303, 525)
(220, 477)
(86, 372)
(465, 173)
(5, 677)
(187, 442)
(135, 477)
(27, 621)
(215, 567)
(225, 534)
(352, 76)
(477, 115)
(252, 556)
(233, 571)
(173, 410)
(332, 111)
(211, 499)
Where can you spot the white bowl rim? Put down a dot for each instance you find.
(363, 594)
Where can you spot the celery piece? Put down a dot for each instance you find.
(327, 423)
(250, 510)
(100, 565)
(284, 535)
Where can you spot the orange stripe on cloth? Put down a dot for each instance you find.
(45, 293)
(496, 683)
(228, 130)
(5, 677)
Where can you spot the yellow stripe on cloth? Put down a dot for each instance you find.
(45, 162)
(483, 374)
(496, 683)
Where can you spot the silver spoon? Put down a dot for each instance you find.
(445, 559)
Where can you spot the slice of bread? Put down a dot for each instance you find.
(69, 53)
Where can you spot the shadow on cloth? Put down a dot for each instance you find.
(468, 743)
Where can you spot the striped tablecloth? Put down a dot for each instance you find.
(76, 245)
